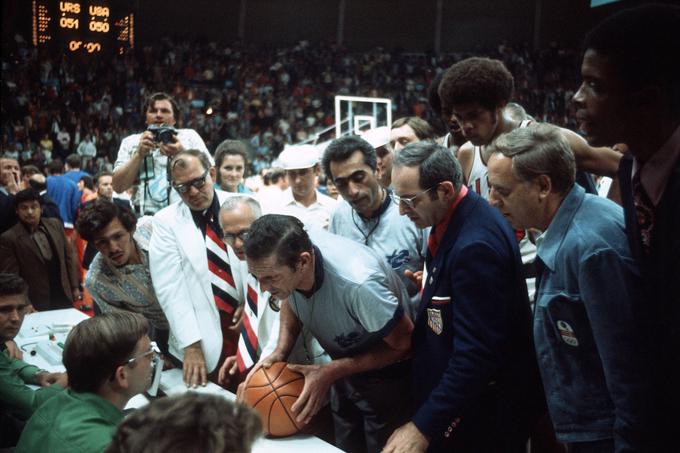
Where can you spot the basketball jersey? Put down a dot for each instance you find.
(478, 181)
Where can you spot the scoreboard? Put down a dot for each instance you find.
(84, 26)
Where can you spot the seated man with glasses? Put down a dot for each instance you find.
(475, 377)
(119, 276)
(109, 359)
(191, 271)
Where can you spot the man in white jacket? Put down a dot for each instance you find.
(191, 271)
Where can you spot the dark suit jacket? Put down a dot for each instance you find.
(19, 254)
(475, 378)
(8, 215)
(658, 307)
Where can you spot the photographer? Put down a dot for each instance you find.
(143, 158)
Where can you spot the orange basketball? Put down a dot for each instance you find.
(271, 392)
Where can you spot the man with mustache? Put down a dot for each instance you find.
(367, 214)
(118, 277)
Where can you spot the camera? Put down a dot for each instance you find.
(162, 133)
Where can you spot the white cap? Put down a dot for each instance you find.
(298, 156)
(380, 136)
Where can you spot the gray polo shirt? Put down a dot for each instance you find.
(357, 299)
(393, 237)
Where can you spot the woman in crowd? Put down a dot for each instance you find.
(231, 161)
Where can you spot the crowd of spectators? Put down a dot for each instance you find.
(56, 105)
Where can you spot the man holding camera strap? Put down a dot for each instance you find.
(143, 158)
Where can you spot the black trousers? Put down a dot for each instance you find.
(368, 407)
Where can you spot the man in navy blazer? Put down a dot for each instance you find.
(631, 94)
(475, 379)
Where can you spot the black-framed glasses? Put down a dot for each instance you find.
(186, 186)
(409, 201)
(230, 238)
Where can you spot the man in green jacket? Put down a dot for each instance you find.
(18, 401)
(109, 359)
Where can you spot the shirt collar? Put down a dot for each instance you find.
(549, 243)
(657, 171)
(289, 199)
(213, 212)
(318, 272)
(438, 231)
(382, 209)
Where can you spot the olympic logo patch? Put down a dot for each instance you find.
(435, 321)
(567, 333)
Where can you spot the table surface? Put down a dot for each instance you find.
(38, 326)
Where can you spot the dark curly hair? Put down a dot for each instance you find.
(484, 81)
(190, 423)
(97, 214)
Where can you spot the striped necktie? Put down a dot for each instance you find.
(248, 352)
(223, 287)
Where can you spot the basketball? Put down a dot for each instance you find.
(271, 392)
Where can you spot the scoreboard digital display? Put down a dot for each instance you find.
(87, 27)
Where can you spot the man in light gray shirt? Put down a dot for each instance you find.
(355, 306)
(368, 216)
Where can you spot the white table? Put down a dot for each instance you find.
(38, 326)
(172, 384)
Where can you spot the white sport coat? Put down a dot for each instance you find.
(181, 279)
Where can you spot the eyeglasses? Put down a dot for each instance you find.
(410, 202)
(153, 349)
(197, 183)
(230, 238)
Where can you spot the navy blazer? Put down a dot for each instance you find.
(475, 378)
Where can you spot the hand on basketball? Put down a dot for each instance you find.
(194, 370)
(314, 392)
(406, 439)
(227, 371)
(266, 362)
(415, 277)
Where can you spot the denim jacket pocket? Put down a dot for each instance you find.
(570, 364)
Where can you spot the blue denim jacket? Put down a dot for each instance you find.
(590, 359)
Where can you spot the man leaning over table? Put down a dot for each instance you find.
(109, 359)
(17, 400)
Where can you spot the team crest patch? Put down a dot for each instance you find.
(567, 333)
(434, 320)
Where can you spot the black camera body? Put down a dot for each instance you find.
(162, 133)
